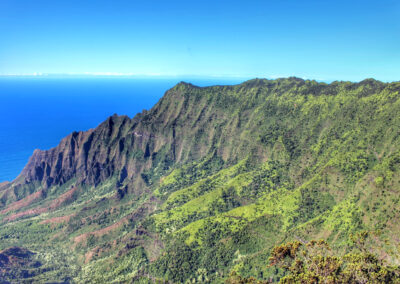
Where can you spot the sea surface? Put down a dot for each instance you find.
(37, 112)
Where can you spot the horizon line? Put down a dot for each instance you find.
(131, 74)
(181, 76)
(122, 74)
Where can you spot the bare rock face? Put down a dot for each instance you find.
(119, 146)
(86, 156)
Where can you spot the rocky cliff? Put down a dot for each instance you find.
(185, 125)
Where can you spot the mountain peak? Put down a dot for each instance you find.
(371, 82)
(185, 85)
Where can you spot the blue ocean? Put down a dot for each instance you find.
(37, 112)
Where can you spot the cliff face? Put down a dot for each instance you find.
(119, 146)
(87, 156)
(185, 125)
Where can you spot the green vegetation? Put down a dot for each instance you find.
(207, 185)
(315, 262)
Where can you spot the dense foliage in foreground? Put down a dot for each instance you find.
(315, 262)
(205, 184)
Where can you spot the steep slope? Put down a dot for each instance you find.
(172, 132)
(209, 180)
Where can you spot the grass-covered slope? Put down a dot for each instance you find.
(209, 180)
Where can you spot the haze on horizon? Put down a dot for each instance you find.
(323, 40)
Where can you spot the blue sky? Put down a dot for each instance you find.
(324, 40)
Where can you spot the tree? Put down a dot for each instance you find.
(314, 262)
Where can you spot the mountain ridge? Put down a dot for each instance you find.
(210, 179)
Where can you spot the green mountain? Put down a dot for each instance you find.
(207, 182)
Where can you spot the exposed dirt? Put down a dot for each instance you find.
(63, 198)
(136, 215)
(58, 202)
(24, 202)
(4, 183)
(101, 232)
(57, 220)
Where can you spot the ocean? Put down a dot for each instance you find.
(37, 112)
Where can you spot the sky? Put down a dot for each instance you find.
(322, 40)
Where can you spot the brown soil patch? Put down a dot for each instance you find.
(24, 202)
(4, 183)
(67, 196)
(89, 255)
(137, 214)
(30, 212)
(101, 232)
(57, 220)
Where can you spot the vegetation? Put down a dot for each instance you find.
(315, 262)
